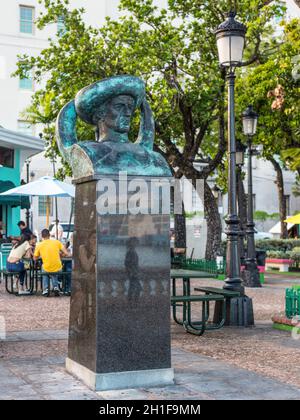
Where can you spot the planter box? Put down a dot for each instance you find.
(282, 264)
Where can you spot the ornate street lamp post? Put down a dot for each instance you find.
(240, 160)
(27, 162)
(230, 42)
(251, 273)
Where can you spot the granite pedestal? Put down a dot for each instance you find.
(119, 334)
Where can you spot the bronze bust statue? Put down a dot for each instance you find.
(109, 105)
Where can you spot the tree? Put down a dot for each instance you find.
(274, 87)
(175, 53)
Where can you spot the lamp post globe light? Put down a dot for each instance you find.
(230, 37)
(231, 41)
(250, 274)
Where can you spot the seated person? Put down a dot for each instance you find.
(57, 230)
(30, 252)
(50, 251)
(14, 261)
(24, 230)
(68, 267)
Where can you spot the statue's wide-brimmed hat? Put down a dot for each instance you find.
(88, 99)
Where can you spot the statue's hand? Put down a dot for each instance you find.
(147, 126)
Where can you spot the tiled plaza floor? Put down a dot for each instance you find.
(197, 377)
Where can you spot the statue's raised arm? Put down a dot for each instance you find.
(109, 105)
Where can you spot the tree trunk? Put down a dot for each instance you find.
(214, 225)
(297, 2)
(242, 212)
(179, 224)
(281, 197)
(180, 229)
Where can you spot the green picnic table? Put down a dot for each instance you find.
(186, 299)
(186, 275)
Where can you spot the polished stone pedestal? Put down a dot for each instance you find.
(119, 333)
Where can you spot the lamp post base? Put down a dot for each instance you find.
(239, 312)
(250, 275)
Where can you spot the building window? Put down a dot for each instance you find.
(25, 127)
(61, 28)
(6, 157)
(26, 19)
(43, 206)
(288, 204)
(26, 83)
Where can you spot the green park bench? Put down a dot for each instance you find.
(197, 327)
(227, 295)
(9, 282)
(60, 274)
(8, 279)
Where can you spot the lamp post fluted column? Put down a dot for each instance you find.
(251, 273)
(27, 181)
(233, 280)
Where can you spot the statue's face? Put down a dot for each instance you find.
(119, 112)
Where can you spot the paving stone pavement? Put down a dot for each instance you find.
(197, 377)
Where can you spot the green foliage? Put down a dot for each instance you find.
(279, 118)
(277, 244)
(292, 157)
(192, 214)
(174, 52)
(296, 189)
(279, 254)
(260, 215)
(295, 255)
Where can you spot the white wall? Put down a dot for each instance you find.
(292, 9)
(40, 166)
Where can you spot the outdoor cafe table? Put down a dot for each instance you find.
(186, 276)
(35, 268)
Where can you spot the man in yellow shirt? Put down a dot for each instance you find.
(50, 251)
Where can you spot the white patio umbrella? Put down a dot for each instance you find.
(45, 186)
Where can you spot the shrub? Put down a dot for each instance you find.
(279, 254)
(295, 255)
(260, 215)
(277, 244)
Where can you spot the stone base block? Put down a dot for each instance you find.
(120, 380)
(239, 312)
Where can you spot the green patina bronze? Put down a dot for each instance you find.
(109, 105)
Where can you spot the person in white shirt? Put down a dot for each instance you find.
(14, 262)
(57, 231)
